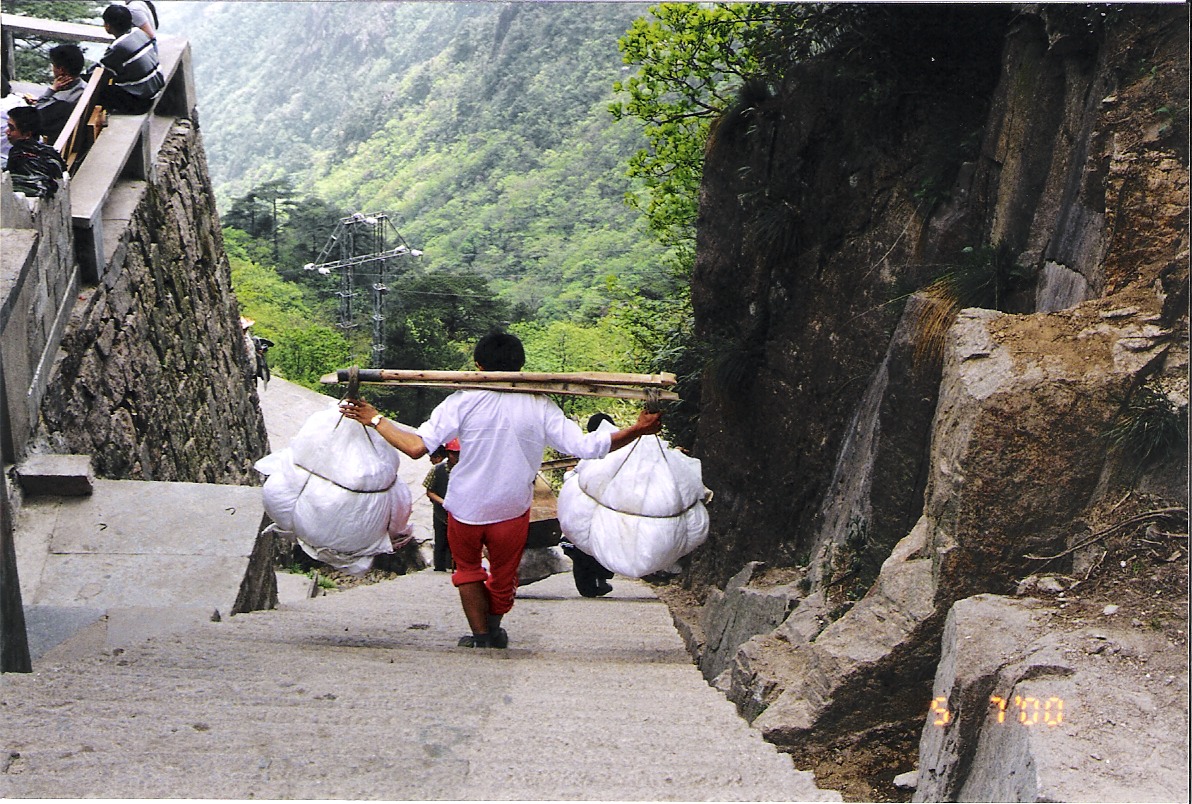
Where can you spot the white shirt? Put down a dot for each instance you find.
(140, 14)
(501, 439)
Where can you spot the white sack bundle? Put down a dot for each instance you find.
(335, 490)
(638, 510)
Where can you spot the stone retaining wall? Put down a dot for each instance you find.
(152, 379)
(38, 285)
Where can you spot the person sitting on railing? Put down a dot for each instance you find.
(59, 99)
(144, 16)
(35, 166)
(132, 59)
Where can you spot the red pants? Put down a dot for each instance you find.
(506, 541)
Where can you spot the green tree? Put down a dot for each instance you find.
(564, 346)
(691, 59)
(283, 312)
(262, 211)
(433, 322)
(693, 62)
(31, 61)
(309, 222)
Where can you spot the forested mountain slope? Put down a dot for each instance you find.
(482, 128)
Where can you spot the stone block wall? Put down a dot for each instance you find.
(38, 284)
(152, 379)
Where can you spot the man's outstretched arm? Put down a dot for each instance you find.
(363, 412)
(646, 424)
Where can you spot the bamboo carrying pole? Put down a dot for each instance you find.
(647, 387)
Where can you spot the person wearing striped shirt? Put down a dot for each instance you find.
(131, 59)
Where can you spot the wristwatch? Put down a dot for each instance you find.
(375, 420)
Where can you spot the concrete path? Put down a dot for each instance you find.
(135, 558)
(362, 694)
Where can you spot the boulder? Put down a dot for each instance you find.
(1030, 707)
(731, 617)
(1016, 456)
(539, 563)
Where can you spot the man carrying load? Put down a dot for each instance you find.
(502, 436)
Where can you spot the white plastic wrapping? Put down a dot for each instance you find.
(335, 490)
(638, 510)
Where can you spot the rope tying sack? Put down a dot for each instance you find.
(336, 489)
(636, 512)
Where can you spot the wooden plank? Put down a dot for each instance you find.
(559, 463)
(55, 30)
(564, 389)
(79, 134)
(488, 378)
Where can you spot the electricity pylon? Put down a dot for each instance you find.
(366, 247)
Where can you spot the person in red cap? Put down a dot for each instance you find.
(502, 435)
(436, 490)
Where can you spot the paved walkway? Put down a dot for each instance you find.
(362, 694)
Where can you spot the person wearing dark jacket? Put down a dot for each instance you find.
(60, 98)
(590, 576)
(132, 61)
(35, 166)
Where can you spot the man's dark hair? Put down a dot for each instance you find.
(596, 418)
(500, 351)
(119, 18)
(69, 57)
(27, 119)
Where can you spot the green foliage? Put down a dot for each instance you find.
(661, 331)
(565, 347)
(480, 129)
(483, 131)
(294, 229)
(312, 573)
(1149, 428)
(303, 350)
(981, 277)
(693, 62)
(691, 58)
(31, 60)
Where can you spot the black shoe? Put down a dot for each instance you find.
(475, 641)
(603, 589)
(498, 639)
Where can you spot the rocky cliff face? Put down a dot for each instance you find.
(1053, 167)
(153, 379)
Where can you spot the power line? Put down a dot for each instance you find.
(361, 240)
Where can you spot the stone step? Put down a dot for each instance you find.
(62, 475)
(363, 694)
(136, 557)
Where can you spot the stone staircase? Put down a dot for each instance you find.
(362, 694)
(356, 694)
(137, 558)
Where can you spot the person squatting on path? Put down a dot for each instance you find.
(437, 482)
(502, 435)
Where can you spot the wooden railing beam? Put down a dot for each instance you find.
(22, 27)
